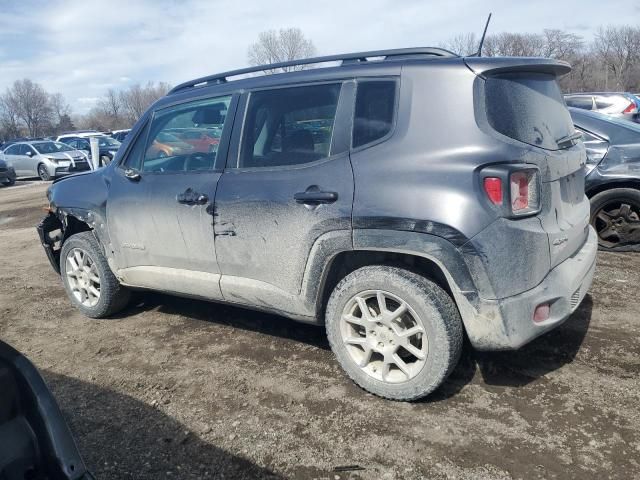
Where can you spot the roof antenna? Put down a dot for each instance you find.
(484, 34)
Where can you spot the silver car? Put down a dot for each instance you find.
(45, 159)
(621, 105)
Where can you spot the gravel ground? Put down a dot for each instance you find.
(175, 388)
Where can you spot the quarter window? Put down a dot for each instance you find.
(186, 137)
(289, 126)
(375, 104)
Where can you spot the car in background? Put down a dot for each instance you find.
(623, 105)
(108, 147)
(7, 173)
(120, 135)
(78, 133)
(202, 140)
(168, 145)
(613, 178)
(45, 159)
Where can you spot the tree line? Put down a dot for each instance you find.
(608, 62)
(28, 110)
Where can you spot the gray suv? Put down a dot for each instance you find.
(348, 196)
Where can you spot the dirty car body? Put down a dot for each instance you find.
(322, 172)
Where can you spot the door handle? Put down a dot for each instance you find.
(315, 197)
(191, 197)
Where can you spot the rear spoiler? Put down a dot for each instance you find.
(484, 66)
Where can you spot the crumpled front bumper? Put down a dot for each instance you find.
(50, 224)
(507, 324)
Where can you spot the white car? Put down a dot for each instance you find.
(45, 159)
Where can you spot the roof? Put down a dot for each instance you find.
(345, 59)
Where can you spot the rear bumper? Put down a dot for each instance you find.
(507, 324)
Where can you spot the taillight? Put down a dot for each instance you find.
(493, 189)
(513, 190)
(524, 191)
(632, 108)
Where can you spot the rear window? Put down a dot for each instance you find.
(528, 107)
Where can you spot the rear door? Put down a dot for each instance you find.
(160, 207)
(289, 184)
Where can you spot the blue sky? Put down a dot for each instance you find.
(82, 47)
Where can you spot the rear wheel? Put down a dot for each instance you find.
(43, 173)
(615, 215)
(90, 284)
(396, 334)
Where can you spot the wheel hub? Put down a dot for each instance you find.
(384, 336)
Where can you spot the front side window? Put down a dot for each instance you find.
(289, 126)
(12, 150)
(171, 146)
(585, 103)
(375, 105)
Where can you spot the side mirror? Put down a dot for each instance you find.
(29, 153)
(132, 174)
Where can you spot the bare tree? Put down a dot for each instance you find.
(9, 120)
(514, 45)
(281, 46)
(463, 44)
(619, 50)
(32, 105)
(136, 99)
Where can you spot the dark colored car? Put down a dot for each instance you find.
(7, 173)
(613, 178)
(353, 197)
(35, 441)
(107, 146)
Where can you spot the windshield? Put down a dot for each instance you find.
(51, 147)
(108, 142)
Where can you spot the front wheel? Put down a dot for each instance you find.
(43, 173)
(10, 182)
(396, 334)
(90, 284)
(615, 215)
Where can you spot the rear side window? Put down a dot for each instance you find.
(289, 126)
(585, 103)
(528, 107)
(375, 104)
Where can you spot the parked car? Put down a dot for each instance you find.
(7, 173)
(79, 133)
(623, 105)
(120, 135)
(613, 179)
(44, 159)
(399, 226)
(107, 146)
(166, 144)
(201, 139)
(35, 440)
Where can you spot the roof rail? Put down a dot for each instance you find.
(345, 58)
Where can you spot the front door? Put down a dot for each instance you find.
(160, 207)
(290, 183)
(11, 155)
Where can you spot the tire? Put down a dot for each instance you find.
(618, 227)
(112, 296)
(43, 173)
(9, 182)
(104, 160)
(440, 343)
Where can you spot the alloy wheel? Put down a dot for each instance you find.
(384, 336)
(617, 223)
(83, 277)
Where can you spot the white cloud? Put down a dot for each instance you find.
(83, 47)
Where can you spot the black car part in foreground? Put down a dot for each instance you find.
(35, 441)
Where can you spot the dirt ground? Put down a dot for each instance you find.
(176, 388)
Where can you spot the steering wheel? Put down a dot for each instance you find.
(199, 159)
